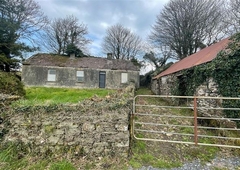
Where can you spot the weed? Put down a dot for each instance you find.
(62, 165)
(143, 91)
(89, 166)
(218, 168)
(40, 165)
(139, 146)
(161, 163)
(187, 130)
(146, 158)
(12, 156)
(204, 153)
(135, 163)
(49, 129)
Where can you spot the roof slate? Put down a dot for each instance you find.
(83, 62)
(203, 56)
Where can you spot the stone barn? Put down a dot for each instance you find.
(164, 82)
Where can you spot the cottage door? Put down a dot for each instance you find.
(102, 79)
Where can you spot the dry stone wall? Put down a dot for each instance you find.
(163, 85)
(93, 128)
(209, 89)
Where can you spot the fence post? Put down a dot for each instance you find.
(195, 121)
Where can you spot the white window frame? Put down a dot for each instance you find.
(124, 78)
(80, 75)
(51, 75)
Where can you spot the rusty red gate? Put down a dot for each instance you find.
(194, 120)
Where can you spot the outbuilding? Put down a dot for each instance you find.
(163, 83)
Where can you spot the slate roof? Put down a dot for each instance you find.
(203, 56)
(83, 62)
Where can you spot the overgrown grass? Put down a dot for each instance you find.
(12, 161)
(16, 156)
(62, 165)
(142, 156)
(45, 96)
(143, 91)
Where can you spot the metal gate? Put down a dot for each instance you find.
(186, 119)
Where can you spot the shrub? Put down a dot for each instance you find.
(11, 84)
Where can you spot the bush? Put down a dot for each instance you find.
(11, 84)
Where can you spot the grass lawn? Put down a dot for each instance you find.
(45, 96)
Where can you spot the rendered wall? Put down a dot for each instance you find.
(66, 77)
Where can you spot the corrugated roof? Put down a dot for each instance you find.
(77, 62)
(203, 56)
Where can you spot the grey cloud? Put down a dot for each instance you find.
(138, 15)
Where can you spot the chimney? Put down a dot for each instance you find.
(72, 55)
(109, 56)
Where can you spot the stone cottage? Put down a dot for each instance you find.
(162, 84)
(85, 72)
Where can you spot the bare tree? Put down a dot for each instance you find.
(64, 31)
(232, 16)
(121, 42)
(185, 26)
(158, 56)
(20, 19)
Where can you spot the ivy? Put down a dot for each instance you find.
(225, 71)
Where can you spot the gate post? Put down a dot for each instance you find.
(195, 121)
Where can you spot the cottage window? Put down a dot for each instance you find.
(51, 75)
(124, 77)
(80, 76)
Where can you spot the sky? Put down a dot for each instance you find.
(98, 15)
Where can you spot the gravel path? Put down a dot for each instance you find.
(217, 163)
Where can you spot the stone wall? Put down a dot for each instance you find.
(94, 128)
(209, 89)
(155, 86)
(163, 85)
